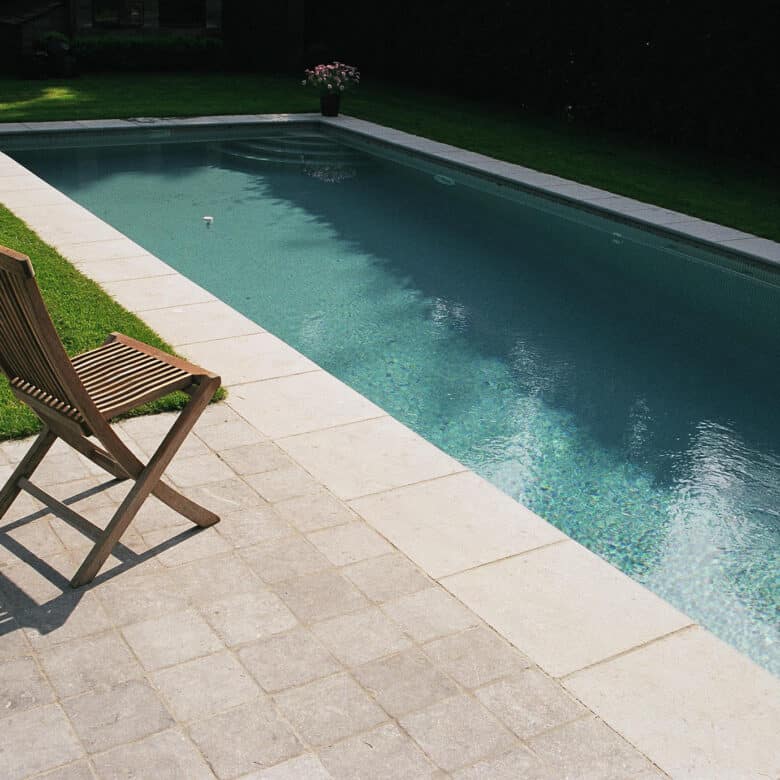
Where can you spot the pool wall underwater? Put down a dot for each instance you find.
(608, 599)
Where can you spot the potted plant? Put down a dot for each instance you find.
(331, 80)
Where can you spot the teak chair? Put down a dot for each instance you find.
(76, 398)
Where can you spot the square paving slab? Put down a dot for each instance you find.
(706, 711)
(564, 606)
(455, 523)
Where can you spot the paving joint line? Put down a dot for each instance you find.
(630, 650)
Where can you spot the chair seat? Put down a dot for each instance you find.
(119, 376)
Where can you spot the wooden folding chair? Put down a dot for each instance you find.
(76, 398)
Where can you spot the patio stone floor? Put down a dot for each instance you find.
(291, 640)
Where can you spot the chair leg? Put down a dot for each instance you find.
(26, 467)
(131, 465)
(145, 483)
(185, 506)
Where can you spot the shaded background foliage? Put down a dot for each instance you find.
(132, 53)
(690, 74)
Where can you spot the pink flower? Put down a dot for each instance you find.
(333, 75)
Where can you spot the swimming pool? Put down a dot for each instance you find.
(620, 383)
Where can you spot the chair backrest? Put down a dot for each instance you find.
(31, 353)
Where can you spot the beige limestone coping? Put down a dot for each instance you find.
(695, 706)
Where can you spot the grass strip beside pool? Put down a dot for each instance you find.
(741, 195)
(83, 313)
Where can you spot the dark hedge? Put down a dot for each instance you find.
(147, 53)
(691, 74)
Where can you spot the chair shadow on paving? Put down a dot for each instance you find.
(19, 609)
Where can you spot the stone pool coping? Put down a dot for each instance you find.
(693, 705)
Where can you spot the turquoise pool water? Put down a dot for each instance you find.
(622, 385)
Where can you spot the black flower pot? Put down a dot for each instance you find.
(329, 104)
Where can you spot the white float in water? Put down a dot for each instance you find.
(208, 221)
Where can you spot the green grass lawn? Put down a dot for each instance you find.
(739, 195)
(82, 325)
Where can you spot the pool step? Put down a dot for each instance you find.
(289, 156)
(292, 149)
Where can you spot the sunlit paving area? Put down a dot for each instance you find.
(290, 634)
